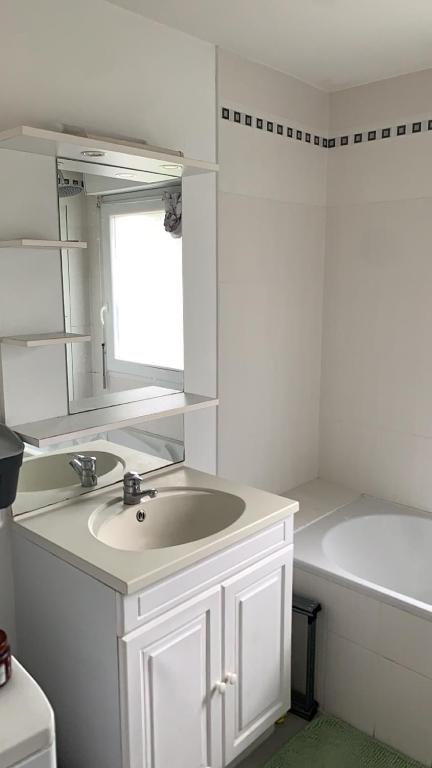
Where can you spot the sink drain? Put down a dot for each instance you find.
(140, 515)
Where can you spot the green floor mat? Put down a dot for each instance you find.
(331, 743)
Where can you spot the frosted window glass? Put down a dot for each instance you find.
(146, 266)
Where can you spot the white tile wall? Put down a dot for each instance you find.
(381, 104)
(376, 412)
(265, 399)
(387, 464)
(373, 665)
(406, 639)
(373, 275)
(271, 234)
(353, 616)
(351, 672)
(265, 165)
(391, 169)
(271, 92)
(403, 710)
(270, 240)
(270, 299)
(347, 614)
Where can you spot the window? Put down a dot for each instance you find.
(144, 288)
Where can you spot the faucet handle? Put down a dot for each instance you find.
(132, 491)
(85, 467)
(88, 463)
(132, 481)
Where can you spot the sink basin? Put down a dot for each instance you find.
(51, 472)
(176, 516)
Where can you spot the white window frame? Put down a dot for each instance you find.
(172, 378)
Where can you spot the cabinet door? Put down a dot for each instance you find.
(257, 650)
(171, 704)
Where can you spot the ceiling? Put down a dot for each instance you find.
(331, 44)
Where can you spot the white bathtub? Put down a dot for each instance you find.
(376, 546)
(369, 563)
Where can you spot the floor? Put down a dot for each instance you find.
(279, 737)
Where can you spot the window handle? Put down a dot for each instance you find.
(104, 367)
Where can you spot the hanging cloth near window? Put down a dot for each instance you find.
(173, 213)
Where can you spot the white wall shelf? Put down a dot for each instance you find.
(43, 339)
(137, 156)
(118, 398)
(24, 242)
(77, 425)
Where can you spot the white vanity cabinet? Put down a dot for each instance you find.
(171, 707)
(203, 681)
(186, 673)
(257, 650)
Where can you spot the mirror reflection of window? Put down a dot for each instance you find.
(145, 271)
(125, 289)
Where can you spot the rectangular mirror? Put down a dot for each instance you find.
(125, 290)
(48, 477)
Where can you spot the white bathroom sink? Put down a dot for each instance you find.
(52, 472)
(176, 516)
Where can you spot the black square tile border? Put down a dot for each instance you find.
(315, 140)
(270, 126)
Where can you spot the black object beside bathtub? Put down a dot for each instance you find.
(305, 612)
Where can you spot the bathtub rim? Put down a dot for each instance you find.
(344, 578)
(380, 594)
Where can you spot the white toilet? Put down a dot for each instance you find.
(27, 735)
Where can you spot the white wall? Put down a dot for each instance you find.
(102, 68)
(34, 380)
(376, 402)
(272, 196)
(200, 316)
(375, 217)
(110, 71)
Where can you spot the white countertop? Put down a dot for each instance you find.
(63, 530)
(26, 718)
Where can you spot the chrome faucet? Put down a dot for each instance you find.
(132, 491)
(85, 467)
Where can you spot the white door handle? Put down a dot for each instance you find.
(231, 678)
(221, 686)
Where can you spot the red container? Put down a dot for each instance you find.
(5, 659)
